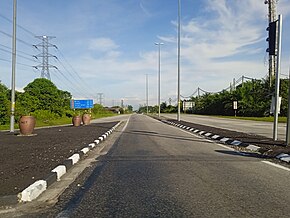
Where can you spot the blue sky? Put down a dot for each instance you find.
(107, 46)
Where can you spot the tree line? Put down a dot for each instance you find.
(42, 99)
(253, 100)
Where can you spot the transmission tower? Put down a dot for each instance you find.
(100, 97)
(45, 55)
(272, 16)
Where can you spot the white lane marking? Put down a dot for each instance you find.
(226, 147)
(275, 165)
(126, 124)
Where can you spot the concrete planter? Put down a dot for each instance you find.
(26, 125)
(86, 119)
(76, 120)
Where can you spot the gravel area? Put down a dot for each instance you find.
(25, 159)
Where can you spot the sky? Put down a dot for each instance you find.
(108, 46)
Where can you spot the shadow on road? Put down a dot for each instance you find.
(168, 136)
(241, 153)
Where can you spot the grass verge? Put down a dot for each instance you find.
(56, 122)
(265, 119)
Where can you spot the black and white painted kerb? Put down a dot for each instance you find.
(228, 141)
(38, 187)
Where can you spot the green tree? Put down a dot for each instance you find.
(4, 104)
(42, 97)
(130, 108)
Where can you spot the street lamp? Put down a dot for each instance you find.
(158, 44)
(147, 94)
(13, 69)
(178, 64)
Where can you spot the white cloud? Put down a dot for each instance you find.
(102, 44)
(145, 10)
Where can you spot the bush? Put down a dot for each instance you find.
(45, 115)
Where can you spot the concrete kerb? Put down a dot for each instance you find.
(283, 157)
(38, 187)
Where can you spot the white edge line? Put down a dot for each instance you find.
(226, 147)
(275, 165)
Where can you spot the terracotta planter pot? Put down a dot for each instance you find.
(26, 125)
(86, 119)
(76, 120)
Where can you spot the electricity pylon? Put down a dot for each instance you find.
(45, 55)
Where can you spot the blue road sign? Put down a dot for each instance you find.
(81, 104)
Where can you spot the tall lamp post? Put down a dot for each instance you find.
(147, 94)
(13, 69)
(159, 44)
(178, 64)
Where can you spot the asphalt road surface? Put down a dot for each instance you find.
(248, 126)
(157, 170)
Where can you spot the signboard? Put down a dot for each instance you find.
(188, 105)
(235, 105)
(81, 104)
(272, 108)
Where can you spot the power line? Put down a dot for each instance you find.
(2, 59)
(21, 27)
(73, 70)
(237, 82)
(74, 85)
(19, 40)
(64, 81)
(7, 51)
(73, 73)
(16, 50)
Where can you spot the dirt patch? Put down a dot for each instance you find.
(25, 159)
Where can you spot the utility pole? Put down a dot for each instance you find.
(12, 121)
(234, 84)
(147, 93)
(159, 67)
(272, 17)
(45, 56)
(242, 81)
(288, 114)
(178, 63)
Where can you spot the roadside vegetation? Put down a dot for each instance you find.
(43, 100)
(253, 102)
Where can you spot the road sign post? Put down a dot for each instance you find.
(235, 107)
(277, 82)
(81, 104)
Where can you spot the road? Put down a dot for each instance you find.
(247, 126)
(157, 170)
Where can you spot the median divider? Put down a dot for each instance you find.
(39, 186)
